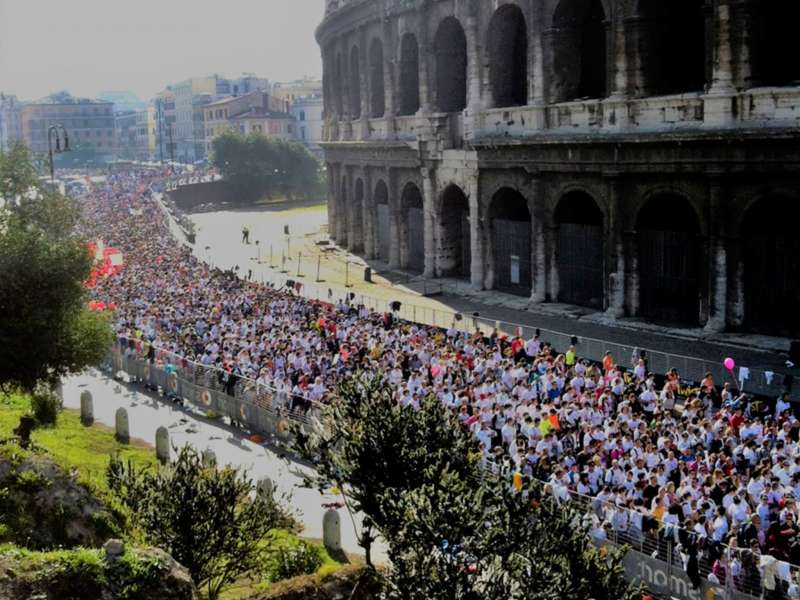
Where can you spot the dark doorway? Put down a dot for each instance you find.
(414, 228)
(511, 242)
(671, 254)
(508, 56)
(772, 266)
(776, 40)
(454, 257)
(355, 84)
(358, 217)
(450, 50)
(377, 92)
(579, 55)
(384, 230)
(672, 46)
(409, 75)
(580, 250)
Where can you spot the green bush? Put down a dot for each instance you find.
(292, 561)
(45, 405)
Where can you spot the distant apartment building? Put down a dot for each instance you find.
(89, 123)
(125, 134)
(307, 114)
(146, 134)
(166, 119)
(270, 123)
(289, 91)
(220, 115)
(10, 126)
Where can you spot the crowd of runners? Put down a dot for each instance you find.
(713, 473)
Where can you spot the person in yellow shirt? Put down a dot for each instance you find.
(571, 356)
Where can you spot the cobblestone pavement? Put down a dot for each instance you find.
(434, 301)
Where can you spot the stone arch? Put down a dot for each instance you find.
(579, 50)
(380, 198)
(580, 250)
(358, 216)
(409, 75)
(672, 46)
(671, 256)
(510, 242)
(355, 83)
(454, 255)
(508, 56)
(775, 41)
(412, 229)
(450, 54)
(376, 83)
(770, 247)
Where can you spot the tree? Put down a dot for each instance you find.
(256, 165)
(46, 328)
(452, 532)
(203, 516)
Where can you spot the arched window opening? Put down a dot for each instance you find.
(672, 46)
(355, 84)
(413, 229)
(409, 75)
(580, 250)
(450, 50)
(454, 257)
(579, 53)
(776, 40)
(670, 259)
(508, 56)
(377, 93)
(511, 242)
(771, 269)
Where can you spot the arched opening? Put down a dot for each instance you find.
(771, 267)
(579, 52)
(454, 256)
(377, 94)
(508, 56)
(672, 46)
(355, 84)
(413, 229)
(511, 242)
(342, 213)
(358, 217)
(409, 75)
(669, 260)
(450, 50)
(580, 250)
(776, 40)
(381, 198)
(338, 87)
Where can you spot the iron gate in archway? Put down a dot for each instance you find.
(772, 285)
(512, 256)
(580, 264)
(383, 232)
(416, 240)
(669, 276)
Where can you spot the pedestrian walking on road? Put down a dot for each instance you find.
(245, 234)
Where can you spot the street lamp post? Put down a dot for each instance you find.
(53, 129)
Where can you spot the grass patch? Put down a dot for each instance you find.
(73, 446)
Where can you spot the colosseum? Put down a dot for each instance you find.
(637, 157)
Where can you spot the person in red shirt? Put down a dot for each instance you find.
(736, 420)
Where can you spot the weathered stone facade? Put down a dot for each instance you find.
(641, 157)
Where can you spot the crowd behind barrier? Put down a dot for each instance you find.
(703, 458)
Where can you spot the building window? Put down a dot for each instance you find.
(303, 133)
(302, 115)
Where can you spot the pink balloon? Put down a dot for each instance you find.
(435, 370)
(729, 363)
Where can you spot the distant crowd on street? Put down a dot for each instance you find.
(712, 475)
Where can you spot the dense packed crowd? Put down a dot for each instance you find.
(713, 472)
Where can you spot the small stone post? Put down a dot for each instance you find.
(332, 530)
(162, 444)
(122, 425)
(209, 458)
(264, 487)
(87, 408)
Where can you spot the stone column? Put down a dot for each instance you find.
(630, 243)
(368, 210)
(352, 241)
(473, 78)
(736, 301)
(616, 106)
(718, 273)
(429, 213)
(426, 70)
(615, 251)
(551, 249)
(389, 60)
(394, 221)
(536, 89)
(538, 257)
(478, 259)
(364, 83)
(718, 110)
(331, 201)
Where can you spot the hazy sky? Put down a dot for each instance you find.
(88, 46)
